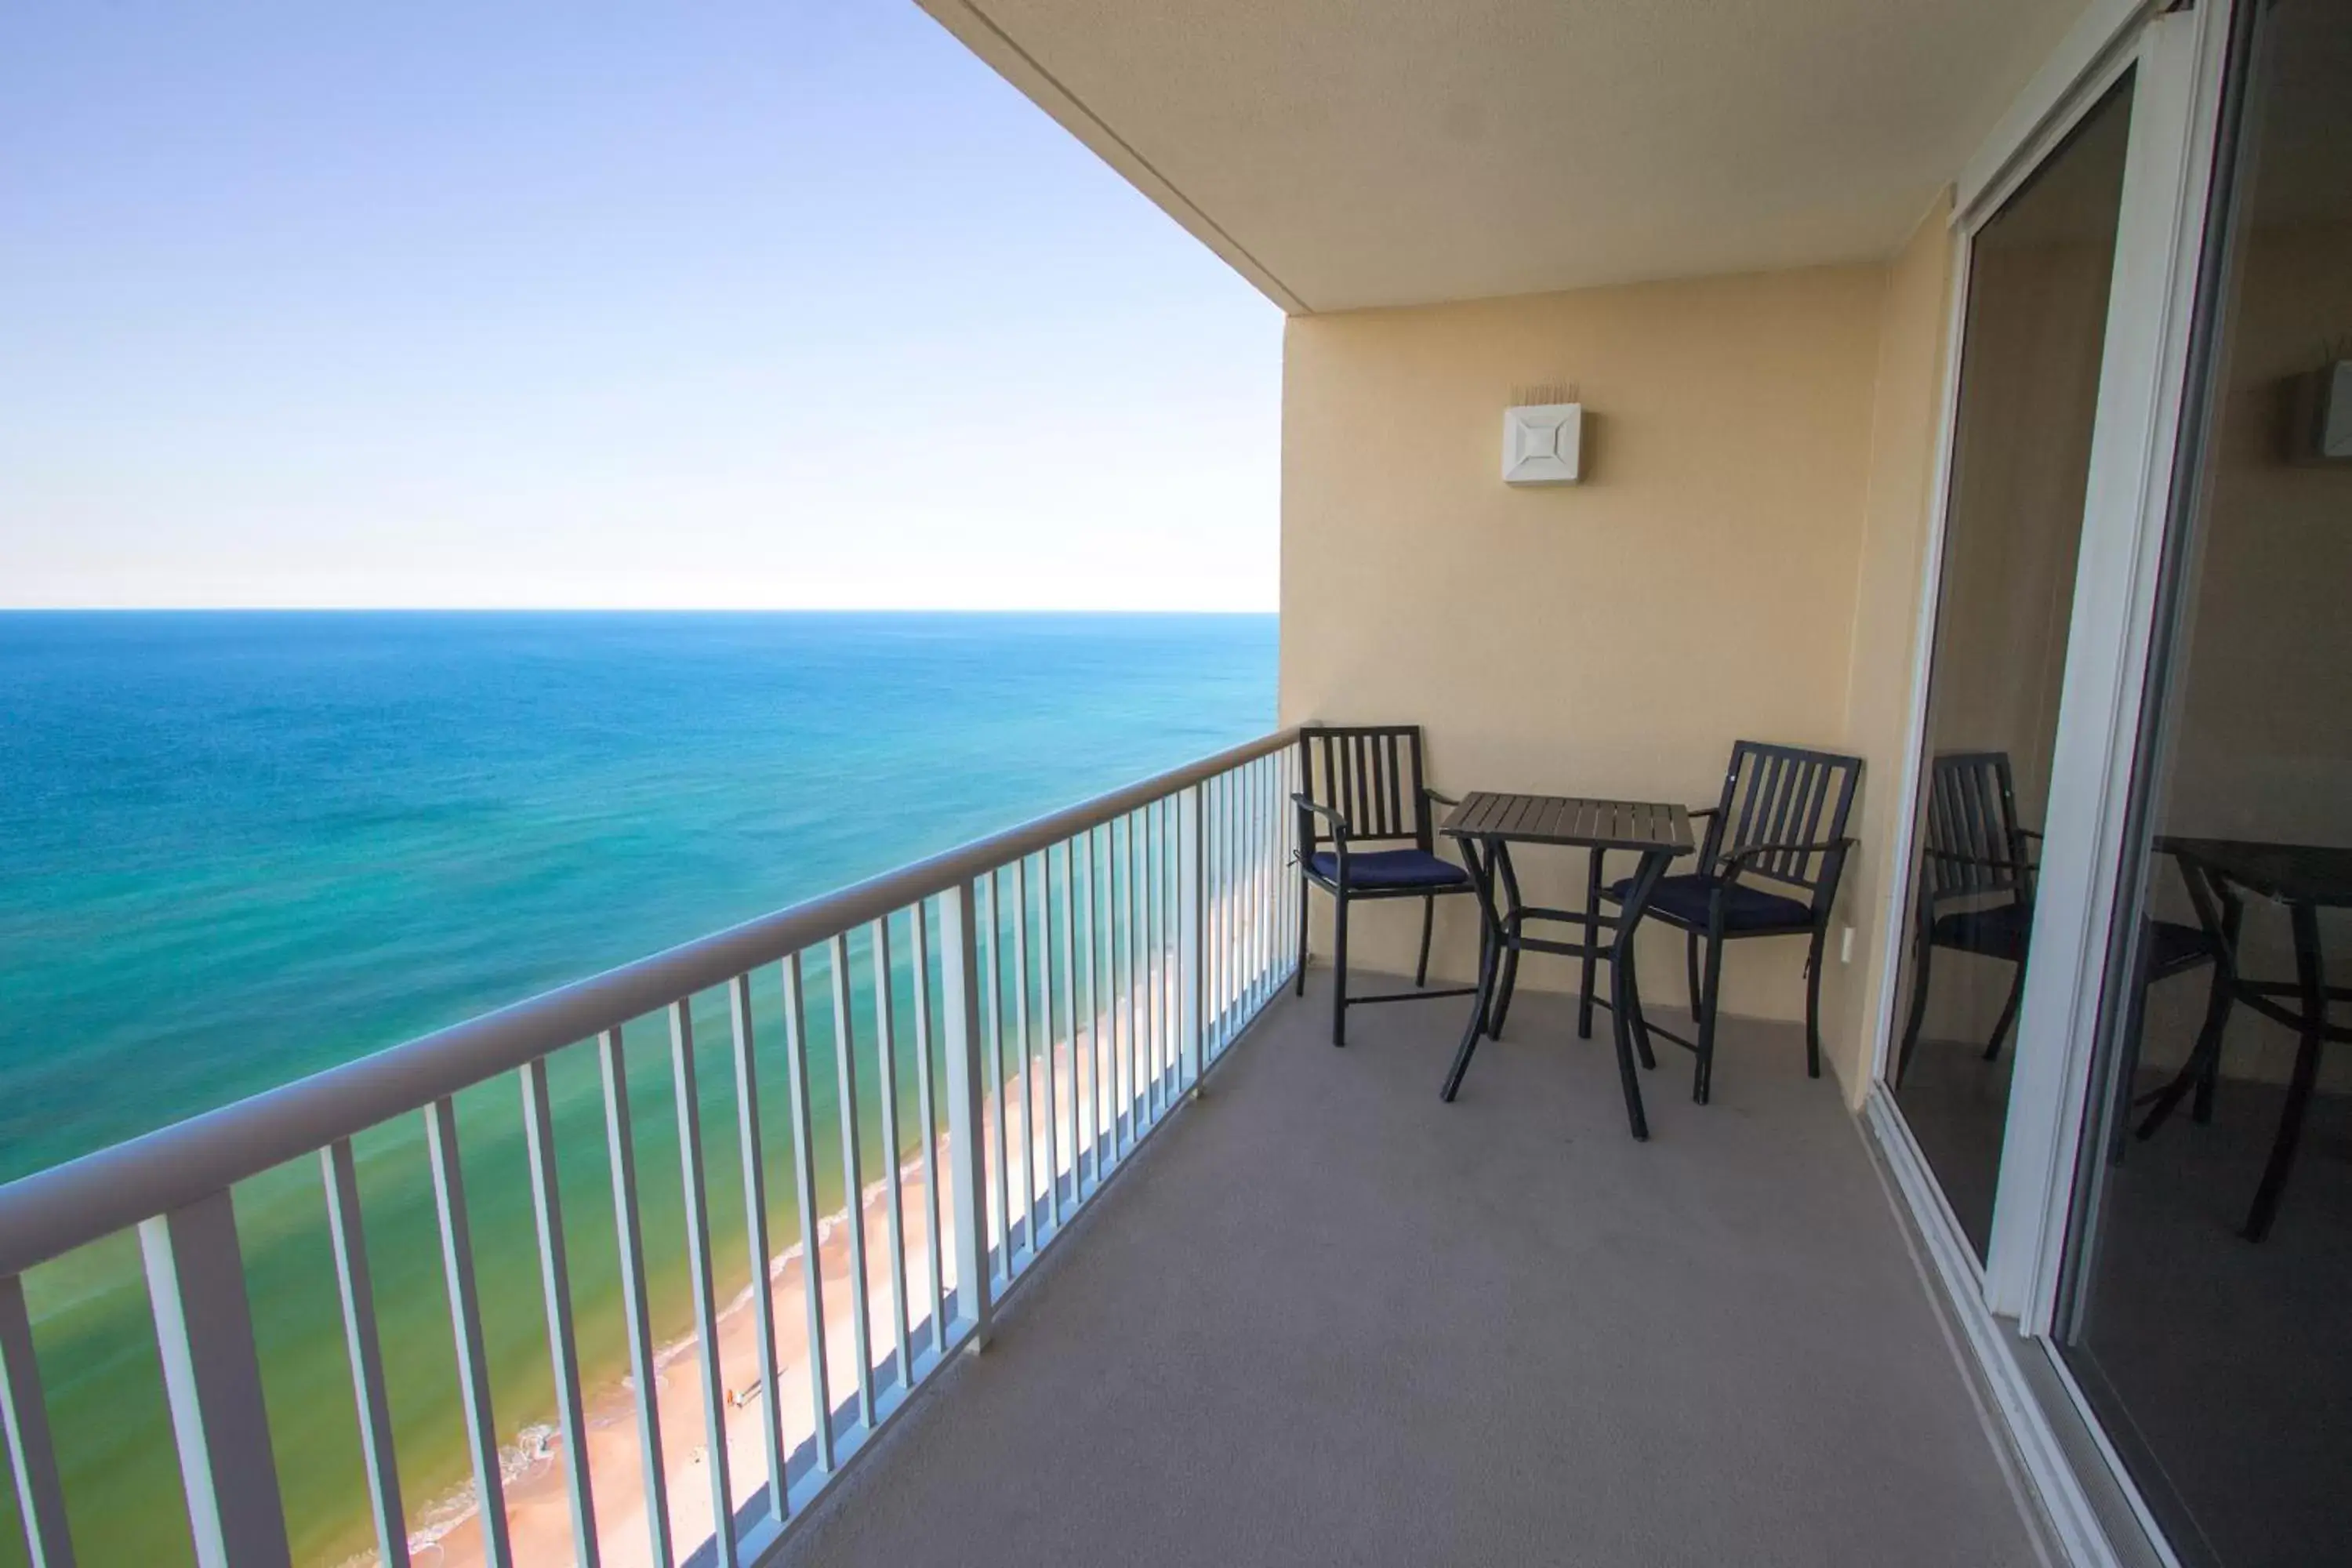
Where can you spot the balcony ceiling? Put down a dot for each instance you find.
(1344, 154)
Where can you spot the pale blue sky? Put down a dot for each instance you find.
(786, 304)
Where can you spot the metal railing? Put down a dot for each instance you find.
(1062, 984)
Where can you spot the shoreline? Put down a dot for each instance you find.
(538, 1495)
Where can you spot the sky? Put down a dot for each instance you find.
(790, 303)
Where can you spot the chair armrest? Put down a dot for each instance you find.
(1737, 859)
(1440, 796)
(1955, 857)
(1307, 803)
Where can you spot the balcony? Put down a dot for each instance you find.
(1329, 1318)
(1324, 1317)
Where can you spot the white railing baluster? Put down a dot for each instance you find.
(688, 1092)
(1096, 1097)
(466, 1326)
(1261, 956)
(1226, 925)
(212, 1382)
(755, 1237)
(1137, 980)
(796, 1083)
(348, 1237)
(1154, 1024)
(958, 921)
(1192, 935)
(1024, 1046)
(555, 1285)
(620, 1144)
(887, 1051)
(995, 1047)
(32, 1457)
(845, 1055)
(934, 1211)
(1070, 1023)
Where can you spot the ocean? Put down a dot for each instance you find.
(238, 848)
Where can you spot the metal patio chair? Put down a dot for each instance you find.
(1780, 821)
(1362, 785)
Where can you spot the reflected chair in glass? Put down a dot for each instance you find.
(1769, 865)
(1362, 785)
(1975, 895)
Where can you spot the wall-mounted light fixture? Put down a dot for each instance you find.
(1543, 437)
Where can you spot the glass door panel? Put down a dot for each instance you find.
(2205, 1311)
(2034, 329)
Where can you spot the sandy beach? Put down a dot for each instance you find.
(538, 1503)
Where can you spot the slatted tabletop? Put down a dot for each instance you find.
(2312, 874)
(1571, 819)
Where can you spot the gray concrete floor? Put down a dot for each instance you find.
(1326, 1318)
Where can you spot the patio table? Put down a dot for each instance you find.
(2304, 879)
(1487, 825)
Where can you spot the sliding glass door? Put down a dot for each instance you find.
(2204, 1306)
(2032, 340)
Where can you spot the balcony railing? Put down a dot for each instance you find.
(1061, 987)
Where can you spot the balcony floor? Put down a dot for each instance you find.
(1327, 1318)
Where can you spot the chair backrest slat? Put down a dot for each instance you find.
(1371, 774)
(1783, 796)
(1969, 827)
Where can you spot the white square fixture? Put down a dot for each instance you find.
(1542, 443)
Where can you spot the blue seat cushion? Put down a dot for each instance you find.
(1999, 931)
(1381, 869)
(1683, 899)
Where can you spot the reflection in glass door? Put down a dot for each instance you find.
(2208, 1312)
(2034, 329)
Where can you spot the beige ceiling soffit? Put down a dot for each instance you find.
(977, 32)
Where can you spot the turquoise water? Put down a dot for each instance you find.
(236, 848)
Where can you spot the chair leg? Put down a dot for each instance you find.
(1428, 917)
(2208, 1046)
(1591, 943)
(1690, 968)
(1813, 1002)
(1303, 886)
(1703, 1076)
(2008, 1013)
(1339, 970)
(1924, 953)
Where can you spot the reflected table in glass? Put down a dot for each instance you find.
(2304, 879)
(1487, 825)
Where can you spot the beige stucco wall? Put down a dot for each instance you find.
(1740, 560)
(1906, 425)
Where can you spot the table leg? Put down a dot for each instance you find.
(1591, 941)
(2219, 913)
(1506, 979)
(1625, 1010)
(2314, 985)
(1490, 943)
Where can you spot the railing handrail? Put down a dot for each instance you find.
(53, 1211)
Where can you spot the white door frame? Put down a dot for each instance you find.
(2007, 1306)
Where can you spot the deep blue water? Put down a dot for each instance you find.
(235, 848)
